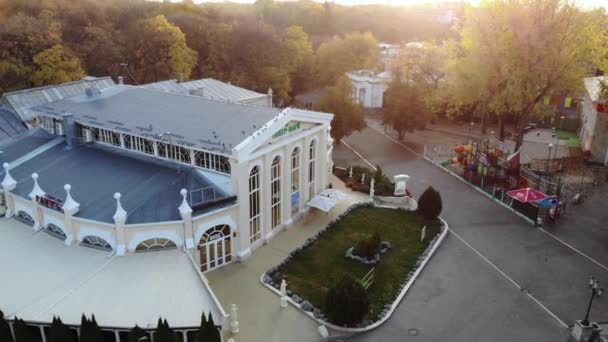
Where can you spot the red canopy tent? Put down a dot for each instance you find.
(526, 195)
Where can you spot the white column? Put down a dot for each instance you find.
(266, 193)
(8, 184)
(322, 174)
(186, 212)
(120, 218)
(70, 208)
(240, 184)
(286, 186)
(304, 170)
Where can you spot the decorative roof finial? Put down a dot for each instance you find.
(8, 183)
(120, 212)
(184, 207)
(36, 191)
(69, 203)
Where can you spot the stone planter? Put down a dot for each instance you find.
(582, 332)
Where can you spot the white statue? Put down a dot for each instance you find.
(363, 178)
(283, 293)
(371, 187)
(234, 320)
(423, 234)
(350, 172)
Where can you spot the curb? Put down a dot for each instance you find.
(410, 282)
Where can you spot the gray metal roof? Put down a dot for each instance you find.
(10, 124)
(22, 144)
(220, 90)
(22, 101)
(212, 89)
(194, 121)
(168, 85)
(150, 188)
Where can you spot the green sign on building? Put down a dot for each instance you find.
(289, 128)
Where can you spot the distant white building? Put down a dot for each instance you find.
(369, 87)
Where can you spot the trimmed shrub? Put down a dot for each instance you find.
(208, 332)
(136, 334)
(22, 332)
(163, 332)
(59, 332)
(369, 246)
(346, 303)
(430, 204)
(5, 330)
(89, 330)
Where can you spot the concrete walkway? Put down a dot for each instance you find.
(260, 316)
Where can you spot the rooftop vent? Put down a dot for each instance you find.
(92, 91)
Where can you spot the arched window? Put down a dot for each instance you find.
(96, 242)
(312, 156)
(275, 187)
(155, 244)
(54, 230)
(295, 180)
(254, 204)
(24, 217)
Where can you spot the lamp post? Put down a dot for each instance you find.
(561, 123)
(470, 131)
(548, 159)
(595, 292)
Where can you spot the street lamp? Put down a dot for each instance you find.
(595, 292)
(561, 124)
(548, 158)
(470, 131)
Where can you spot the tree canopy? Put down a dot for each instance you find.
(513, 53)
(405, 106)
(348, 115)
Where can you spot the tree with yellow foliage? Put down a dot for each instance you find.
(56, 65)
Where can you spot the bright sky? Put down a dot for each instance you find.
(582, 3)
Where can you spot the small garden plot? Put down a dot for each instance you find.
(312, 271)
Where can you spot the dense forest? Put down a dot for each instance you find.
(289, 46)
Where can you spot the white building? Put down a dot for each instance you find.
(369, 87)
(593, 134)
(134, 169)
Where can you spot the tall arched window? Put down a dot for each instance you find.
(295, 180)
(312, 156)
(254, 204)
(275, 187)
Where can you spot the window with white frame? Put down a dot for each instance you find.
(275, 187)
(106, 137)
(254, 204)
(312, 156)
(177, 153)
(138, 144)
(54, 126)
(295, 178)
(212, 161)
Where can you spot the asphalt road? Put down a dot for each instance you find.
(496, 279)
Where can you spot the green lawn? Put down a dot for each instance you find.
(312, 272)
(570, 137)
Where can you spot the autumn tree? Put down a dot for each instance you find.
(56, 65)
(405, 107)
(517, 52)
(348, 115)
(299, 57)
(159, 51)
(339, 55)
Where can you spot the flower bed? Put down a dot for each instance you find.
(384, 247)
(319, 263)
